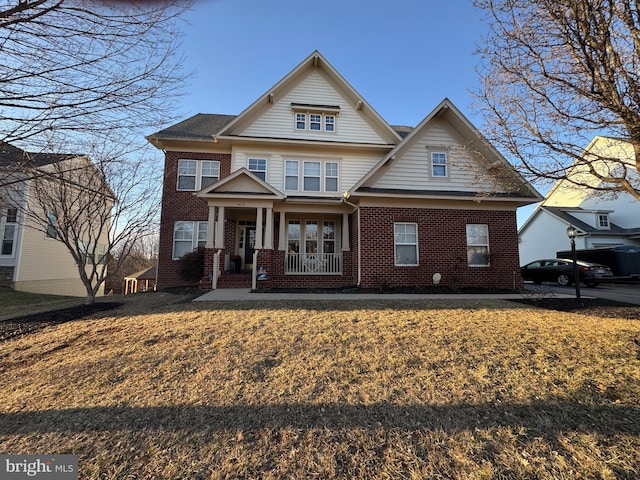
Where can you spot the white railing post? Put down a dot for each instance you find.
(254, 278)
(216, 270)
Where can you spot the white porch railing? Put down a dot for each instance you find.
(216, 270)
(313, 264)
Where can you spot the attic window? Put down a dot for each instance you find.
(315, 118)
(603, 221)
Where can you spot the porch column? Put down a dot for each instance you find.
(211, 225)
(258, 245)
(268, 230)
(282, 240)
(219, 242)
(345, 232)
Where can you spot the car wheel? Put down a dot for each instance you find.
(591, 284)
(564, 279)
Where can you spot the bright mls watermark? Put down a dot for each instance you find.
(49, 467)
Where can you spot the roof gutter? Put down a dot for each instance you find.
(356, 209)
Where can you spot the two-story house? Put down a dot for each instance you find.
(32, 259)
(601, 219)
(310, 187)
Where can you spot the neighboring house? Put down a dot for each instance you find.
(602, 220)
(31, 259)
(328, 194)
(141, 281)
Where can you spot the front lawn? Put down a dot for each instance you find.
(356, 390)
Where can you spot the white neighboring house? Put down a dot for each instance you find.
(31, 259)
(602, 220)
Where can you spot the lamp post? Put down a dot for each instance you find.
(571, 233)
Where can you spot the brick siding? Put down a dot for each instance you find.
(442, 248)
(179, 206)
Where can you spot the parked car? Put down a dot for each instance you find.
(561, 270)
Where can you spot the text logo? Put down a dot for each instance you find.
(44, 467)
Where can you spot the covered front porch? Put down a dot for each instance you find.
(263, 239)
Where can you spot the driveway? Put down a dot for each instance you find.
(617, 292)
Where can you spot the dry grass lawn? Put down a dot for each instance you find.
(362, 390)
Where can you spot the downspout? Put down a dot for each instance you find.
(345, 199)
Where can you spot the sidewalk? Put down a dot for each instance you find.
(244, 294)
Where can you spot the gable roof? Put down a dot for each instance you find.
(602, 146)
(464, 127)
(11, 156)
(146, 274)
(565, 215)
(315, 60)
(241, 182)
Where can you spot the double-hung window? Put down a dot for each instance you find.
(301, 121)
(9, 231)
(316, 176)
(196, 174)
(311, 176)
(329, 123)
(291, 175)
(315, 118)
(331, 176)
(478, 245)
(258, 166)
(438, 164)
(315, 122)
(406, 243)
(51, 226)
(210, 172)
(187, 237)
(187, 170)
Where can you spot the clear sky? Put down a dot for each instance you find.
(404, 57)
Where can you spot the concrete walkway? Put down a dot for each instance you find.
(244, 294)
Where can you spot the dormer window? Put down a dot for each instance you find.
(315, 118)
(603, 221)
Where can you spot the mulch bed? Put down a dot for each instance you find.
(16, 327)
(590, 306)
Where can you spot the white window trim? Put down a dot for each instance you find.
(396, 244)
(50, 232)
(258, 171)
(195, 240)
(301, 176)
(307, 121)
(603, 216)
(320, 240)
(326, 176)
(434, 165)
(3, 225)
(469, 244)
(297, 176)
(198, 174)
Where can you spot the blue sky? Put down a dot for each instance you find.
(403, 57)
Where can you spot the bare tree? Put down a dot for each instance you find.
(556, 73)
(89, 77)
(101, 207)
(86, 66)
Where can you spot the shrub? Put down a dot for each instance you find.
(192, 265)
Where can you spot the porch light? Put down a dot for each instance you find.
(571, 233)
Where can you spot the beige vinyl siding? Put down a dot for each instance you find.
(412, 167)
(44, 258)
(46, 266)
(277, 119)
(352, 166)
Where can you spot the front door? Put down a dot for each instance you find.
(248, 239)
